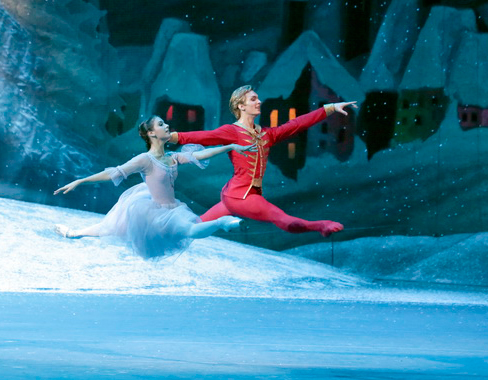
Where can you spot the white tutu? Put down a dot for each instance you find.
(151, 228)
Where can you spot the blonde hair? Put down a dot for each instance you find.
(238, 97)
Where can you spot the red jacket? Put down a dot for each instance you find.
(249, 171)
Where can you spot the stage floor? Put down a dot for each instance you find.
(77, 336)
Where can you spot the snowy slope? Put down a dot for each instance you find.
(34, 259)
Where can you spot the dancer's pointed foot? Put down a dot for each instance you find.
(328, 227)
(64, 231)
(229, 222)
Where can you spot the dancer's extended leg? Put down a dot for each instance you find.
(256, 207)
(67, 232)
(195, 231)
(215, 212)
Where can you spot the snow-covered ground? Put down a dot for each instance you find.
(34, 258)
(460, 259)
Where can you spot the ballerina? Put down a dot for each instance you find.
(147, 215)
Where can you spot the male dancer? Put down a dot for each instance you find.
(242, 195)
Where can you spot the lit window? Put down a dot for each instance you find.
(273, 119)
(191, 116)
(292, 114)
(169, 114)
(291, 151)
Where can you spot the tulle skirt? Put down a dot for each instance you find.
(151, 229)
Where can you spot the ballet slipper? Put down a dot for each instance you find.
(228, 223)
(64, 231)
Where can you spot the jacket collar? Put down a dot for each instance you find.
(256, 131)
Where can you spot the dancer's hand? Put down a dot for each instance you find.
(245, 148)
(339, 107)
(69, 187)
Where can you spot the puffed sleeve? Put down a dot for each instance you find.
(138, 164)
(185, 156)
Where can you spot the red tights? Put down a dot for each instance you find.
(256, 207)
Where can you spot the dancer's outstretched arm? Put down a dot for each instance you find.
(65, 231)
(304, 122)
(221, 136)
(137, 164)
(210, 152)
(99, 177)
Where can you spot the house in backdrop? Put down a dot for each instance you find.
(304, 77)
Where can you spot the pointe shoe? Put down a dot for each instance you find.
(63, 231)
(228, 223)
